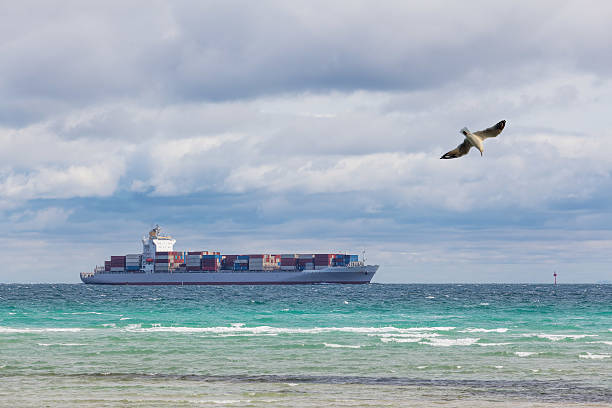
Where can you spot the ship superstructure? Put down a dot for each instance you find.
(160, 264)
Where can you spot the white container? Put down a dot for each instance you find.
(305, 256)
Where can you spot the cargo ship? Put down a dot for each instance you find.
(159, 264)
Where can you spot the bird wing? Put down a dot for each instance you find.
(459, 151)
(492, 131)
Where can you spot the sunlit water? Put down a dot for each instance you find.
(306, 346)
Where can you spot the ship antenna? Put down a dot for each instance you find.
(363, 256)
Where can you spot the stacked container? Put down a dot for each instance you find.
(211, 263)
(288, 262)
(107, 266)
(338, 260)
(168, 261)
(194, 261)
(227, 262)
(133, 262)
(322, 261)
(117, 264)
(349, 260)
(241, 263)
(305, 261)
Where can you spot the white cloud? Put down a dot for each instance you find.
(51, 217)
(96, 180)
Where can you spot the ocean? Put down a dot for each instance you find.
(375, 345)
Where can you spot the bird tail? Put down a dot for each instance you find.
(465, 131)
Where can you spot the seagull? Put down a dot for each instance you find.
(474, 139)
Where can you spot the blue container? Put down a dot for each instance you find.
(132, 268)
(351, 258)
(243, 257)
(211, 256)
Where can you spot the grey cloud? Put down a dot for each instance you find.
(78, 55)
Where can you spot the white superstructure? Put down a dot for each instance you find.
(155, 242)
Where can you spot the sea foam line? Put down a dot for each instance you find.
(559, 337)
(437, 342)
(332, 345)
(594, 356)
(40, 330)
(479, 330)
(239, 328)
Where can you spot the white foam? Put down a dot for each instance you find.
(479, 330)
(558, 337)
(594, 356)
(340, 346)
(401, 340)
(484, 304)
(239, 328)
(408, 335)
(422, 367)
(126, 318)
(437, 342)
(430, 297)
(109, 325)
(493, 344)
(525, 353)
(39, 330)
(498, 366)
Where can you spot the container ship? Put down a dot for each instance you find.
(159, 264)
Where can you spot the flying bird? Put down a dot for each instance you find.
(474, 139)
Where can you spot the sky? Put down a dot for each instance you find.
(309, 126)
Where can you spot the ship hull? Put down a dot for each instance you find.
(344, 275)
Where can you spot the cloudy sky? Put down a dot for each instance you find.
(277, 126)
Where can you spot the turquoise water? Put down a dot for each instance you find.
(340, 345)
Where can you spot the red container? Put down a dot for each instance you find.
(117, 260)
(288, 261)
(323, 259)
